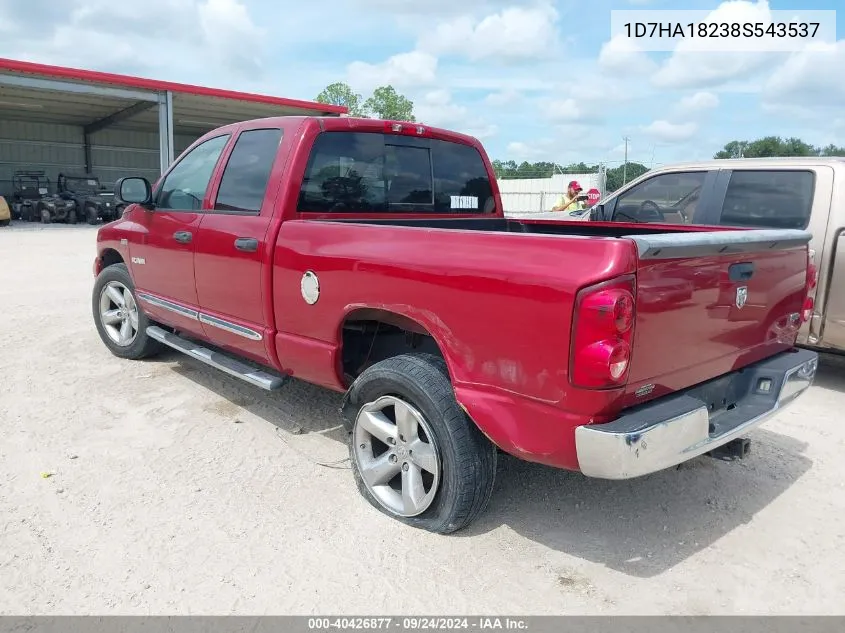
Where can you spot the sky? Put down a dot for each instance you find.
(533, 79)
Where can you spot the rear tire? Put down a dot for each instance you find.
(121, 323)
(91, 214)
(5, 222)
(407, 403)
(71, 217)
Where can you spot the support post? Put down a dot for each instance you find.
(87, 145)
(165, 129)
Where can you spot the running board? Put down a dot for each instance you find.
(231, 366)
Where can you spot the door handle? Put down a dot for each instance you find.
(247, 244)
(183, 236)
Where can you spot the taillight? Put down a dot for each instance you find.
(807, 311)
(812, 271)
(812, 281)
(603, 329)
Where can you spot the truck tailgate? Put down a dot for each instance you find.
(710, 303)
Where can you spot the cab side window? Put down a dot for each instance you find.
(244, 181)
(668, 198)
(776, 199)
(185, 186)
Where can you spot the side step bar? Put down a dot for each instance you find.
(231, 366)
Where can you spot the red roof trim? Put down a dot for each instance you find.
(126, 81)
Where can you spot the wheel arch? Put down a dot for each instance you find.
(110, 257)
(379, 330)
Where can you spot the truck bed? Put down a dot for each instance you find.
(688, 326)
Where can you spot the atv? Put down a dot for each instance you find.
(32, 201)
(90, 197)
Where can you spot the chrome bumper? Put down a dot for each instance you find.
(693, 422)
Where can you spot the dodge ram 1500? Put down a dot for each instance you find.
(373, 258)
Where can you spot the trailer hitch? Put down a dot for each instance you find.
(733, 450)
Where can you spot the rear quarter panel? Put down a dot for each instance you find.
(499, 305)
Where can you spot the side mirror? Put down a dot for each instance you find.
(134, 190)
(597, 213)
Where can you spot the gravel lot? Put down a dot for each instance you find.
(175, 489)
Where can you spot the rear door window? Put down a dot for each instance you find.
(778, 199)
(363, 172)
(247, 171)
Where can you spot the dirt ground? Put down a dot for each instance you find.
(174, 489)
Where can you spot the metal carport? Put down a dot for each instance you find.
(66, 119)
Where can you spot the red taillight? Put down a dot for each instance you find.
(603, 330)
(812, 281)
(812, 271)
(807, 310)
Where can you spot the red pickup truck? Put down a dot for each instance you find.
(373, 258)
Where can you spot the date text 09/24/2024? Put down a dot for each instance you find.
(416, 623)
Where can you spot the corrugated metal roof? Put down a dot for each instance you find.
(139, 83)
(196, 110)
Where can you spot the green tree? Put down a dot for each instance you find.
(833, 150)
(386, 103)
(615, 175)
(769, 146)
(341, 94)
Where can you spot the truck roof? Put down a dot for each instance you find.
(362, 124)
(730, 163)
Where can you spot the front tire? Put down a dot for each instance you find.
(91, 214)
(45, 215)
(121, 323)
(71, 217)
(415, 454)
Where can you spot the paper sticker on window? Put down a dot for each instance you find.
(42, 191)
(92, 183)
(464, 202)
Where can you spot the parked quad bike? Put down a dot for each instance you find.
(35, 203)
(92, 199)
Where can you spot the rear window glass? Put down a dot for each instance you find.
(779, 199)
(352, 172)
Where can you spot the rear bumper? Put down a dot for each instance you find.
(695, 421)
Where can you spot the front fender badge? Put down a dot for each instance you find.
(310, 287)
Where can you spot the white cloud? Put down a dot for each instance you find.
(502, 98)
(619, 150)
(809, 78)
(694, 63)
(94, 34)
(438, 108)
(670, 132)
(402, 70)
(699, 101)
(513, 34)
(565, 110)
(430, 7)
(621, 56)
(534, 151)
